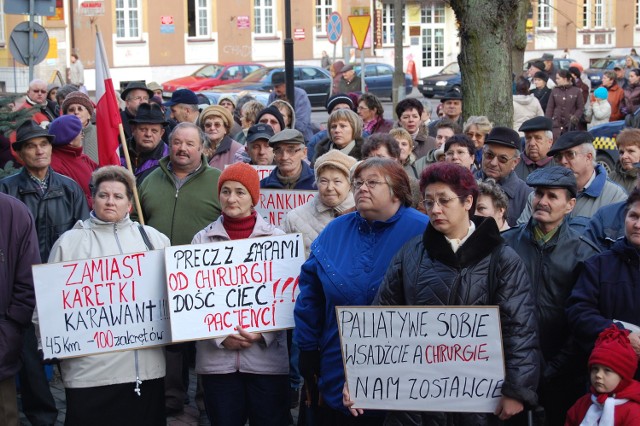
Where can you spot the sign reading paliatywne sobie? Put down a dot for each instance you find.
(428, 358)
(276, 203)
(215, 287)
(102, 305)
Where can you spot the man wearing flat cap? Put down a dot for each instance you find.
(258, 148)
(554, 254)
(350, 82)
(56, 203)
(134, 95)
(301, 104)
(452, 109)
(500, 156)
(146, 146)
(538, 139)
(291, 171)
(574, 150)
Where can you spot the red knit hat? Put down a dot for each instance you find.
(613, 349)
(246, 175)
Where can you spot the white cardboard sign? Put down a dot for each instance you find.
(276, 203)
(422, 358)
(102, 305)
(213, 288)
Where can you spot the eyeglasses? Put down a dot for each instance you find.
(39, 90)
(215, 124)
(441, 201)
(371, 184)
(490, 155)
(140, 99)
(289, 151)
(569, 155)
(362, 108)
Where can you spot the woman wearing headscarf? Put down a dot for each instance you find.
(79, 104)
(216, 123)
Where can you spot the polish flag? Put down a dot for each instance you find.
(108, 118)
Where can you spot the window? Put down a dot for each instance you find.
(388, 26)
(432, 47)
(263, 17)
(432, 14)
(127, 19)
(594, 14)
(198, 15)
(324, 8)
(544, 14)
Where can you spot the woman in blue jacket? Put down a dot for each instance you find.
(346, 265)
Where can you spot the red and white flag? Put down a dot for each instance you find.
(107, 112)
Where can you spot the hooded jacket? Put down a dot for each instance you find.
(525, 107)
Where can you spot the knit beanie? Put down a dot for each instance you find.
(244, 174)
(601, 93)
(613, 349)
(77, 98)
(273, 111)
(216, 111)
(340, 98)
(65, 128)
(335, 158)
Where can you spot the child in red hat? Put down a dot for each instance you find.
(615, 397)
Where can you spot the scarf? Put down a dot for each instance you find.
(602, 410)
(368, 127)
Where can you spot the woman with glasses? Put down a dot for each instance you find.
(477, 127)
(449, 265)
(372, 113)
(216, 122)
(345, 267)
(345, 134)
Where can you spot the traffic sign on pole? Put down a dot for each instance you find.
(334, 27)
(360, 27)
(19, 43)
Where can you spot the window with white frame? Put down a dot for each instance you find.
(199, 17)
(263, 17)
(324, 8)
(432, 13)
(432, 18)
(388, 25)
(545, 9)
(128, 19)
(594, 14)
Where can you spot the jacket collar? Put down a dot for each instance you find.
(539, 163)
(216, 229)
(595, 189)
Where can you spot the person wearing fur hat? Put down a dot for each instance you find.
(67, 157)
(614, 397)
(216, 122)
(79, 104)
(540, 89)
(244, 375)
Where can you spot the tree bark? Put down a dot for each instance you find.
(489, 31)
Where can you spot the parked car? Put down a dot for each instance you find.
(209, 76)
(378, 79)
(558, 63)
(438, 84)
(599, 66)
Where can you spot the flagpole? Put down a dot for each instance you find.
(123, 139)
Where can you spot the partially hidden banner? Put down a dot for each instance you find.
(276, 203)
(102, 305)
(214, 287)
(428, 358)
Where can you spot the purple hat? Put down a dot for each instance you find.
(65, 129)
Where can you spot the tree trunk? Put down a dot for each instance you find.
(488, 32)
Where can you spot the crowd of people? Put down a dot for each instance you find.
(428, 209)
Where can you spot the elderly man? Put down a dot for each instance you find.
(538, 139)
(37, 99)
(146, 147)
(19, 250)
(575, 151)
(258, 148)
(549, 68)
(350, 82)
(135, 94)
(554, 254)
(179, 199)
(291, 171)
(301, 104)
(500, 156)
(56, 203)
(184, 106)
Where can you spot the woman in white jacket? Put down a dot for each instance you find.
(525, 105)
(116, 388)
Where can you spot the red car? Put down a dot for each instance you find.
(210, 76)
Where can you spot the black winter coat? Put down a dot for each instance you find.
(324, 146)
(55, 211)
(426, 271)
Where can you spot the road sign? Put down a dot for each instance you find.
(298, 34)
(334, 27)
(19, 43)
(91, 8)
(360, 27)
(21, 7)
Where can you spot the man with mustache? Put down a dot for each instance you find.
(554, 254)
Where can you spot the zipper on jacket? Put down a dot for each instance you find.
(456, 284)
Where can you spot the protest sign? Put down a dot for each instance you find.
(263, 171)
(276, 203)
(214, 287)
(427, 358)
(101, 305)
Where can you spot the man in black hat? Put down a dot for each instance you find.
(452, 109)
(554, 254)
(56, 203)
(500, 156)
(135, 94)
(538, 139)
(145, 145)
(258, 148)
(184, 106)
(574, 150)
(301, 104)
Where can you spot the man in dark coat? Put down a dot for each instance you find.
(18, 251)
(291, 171)
(554, 255)
(538, 139)
(56, 203)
